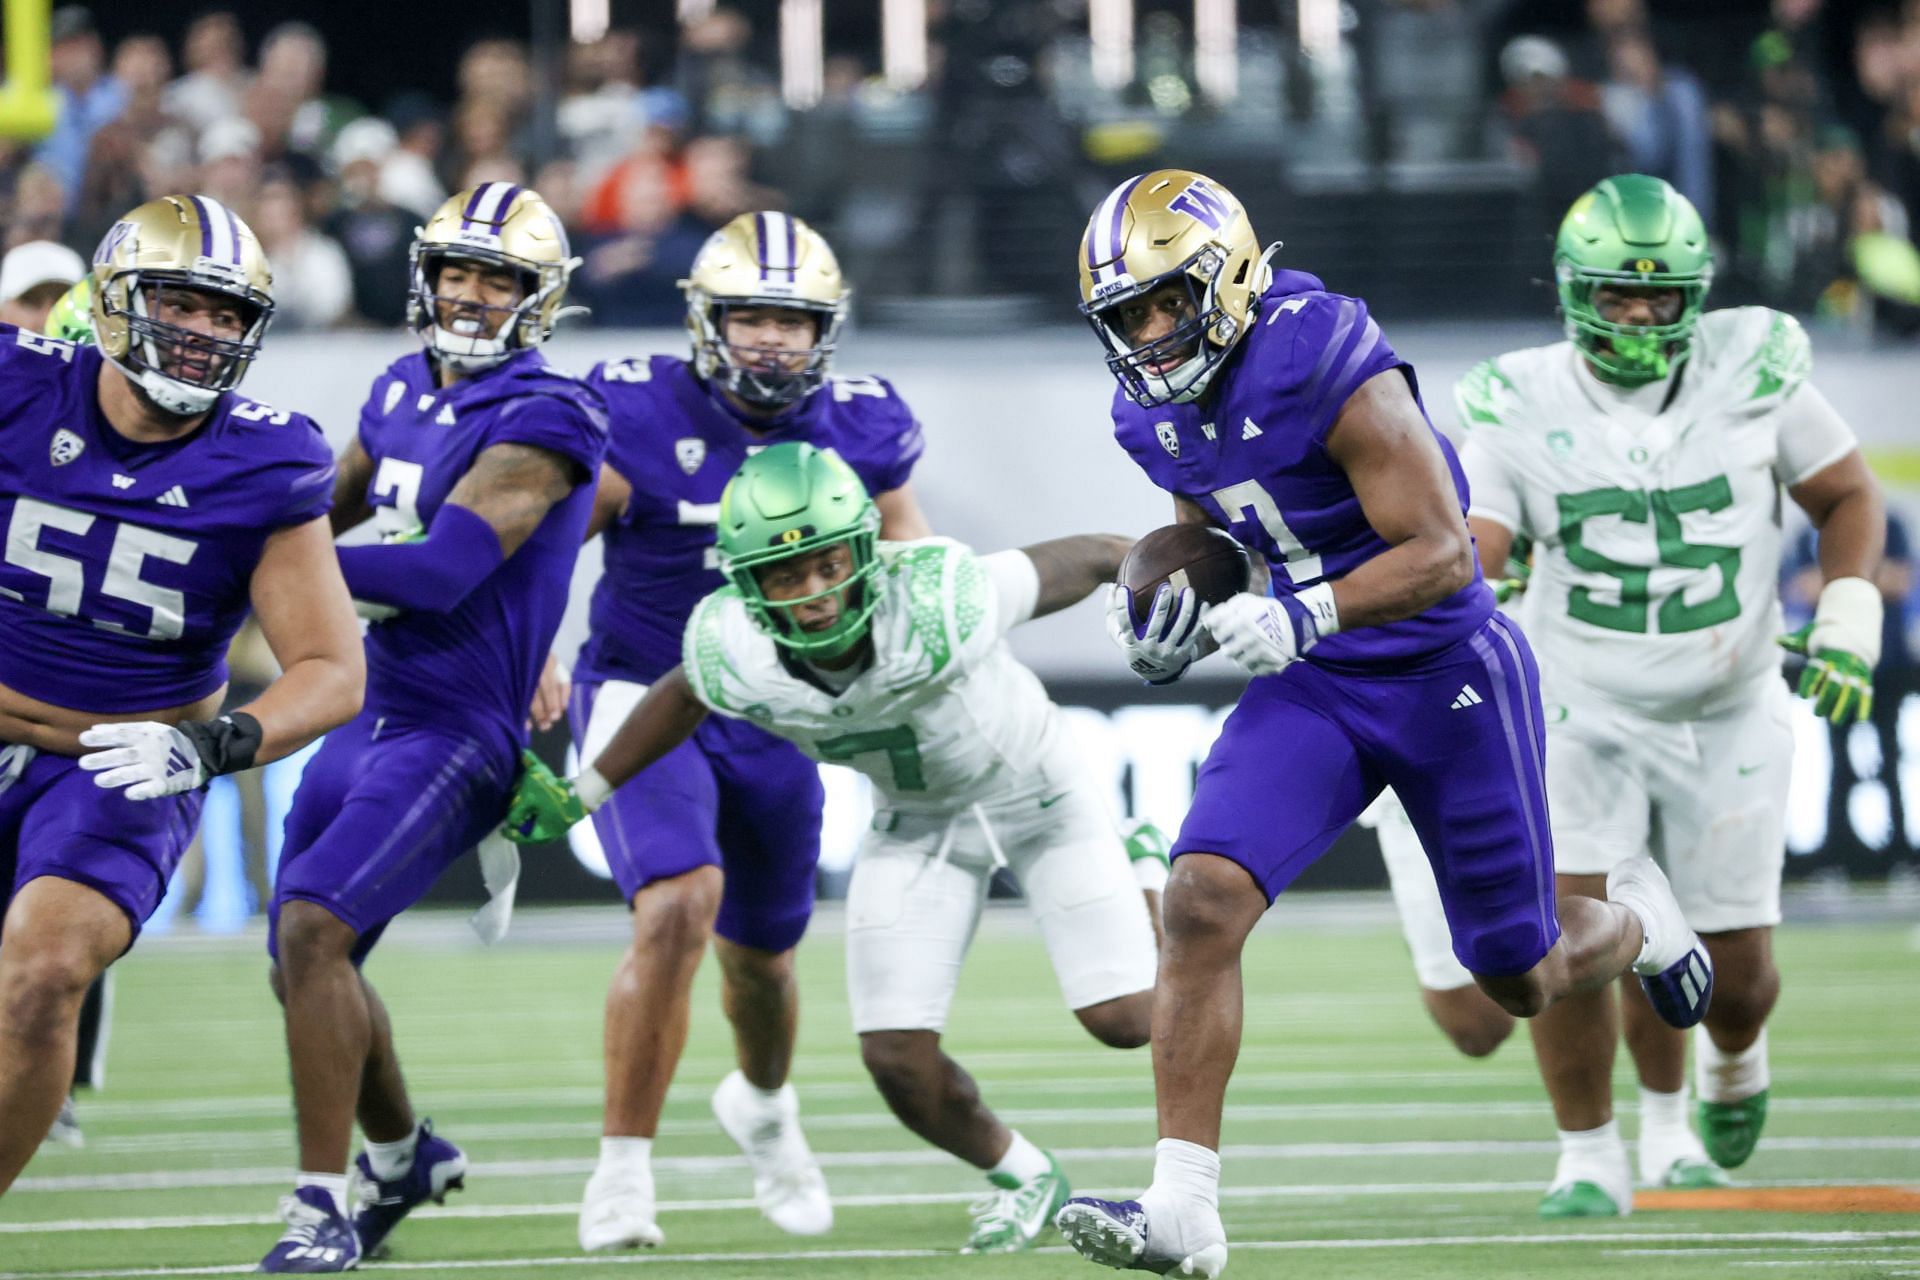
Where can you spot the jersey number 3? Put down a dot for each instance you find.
(66, 574)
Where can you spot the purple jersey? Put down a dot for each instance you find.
(677, 444)
(474, 667)
(127, 566)
(1253, 453)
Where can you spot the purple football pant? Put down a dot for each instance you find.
(732, 796)
(383, 808)
(1459, 737)
(55, 822)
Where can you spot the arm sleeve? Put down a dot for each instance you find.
(1016, 582)
(433, 575)
(1813, 436)
(1492, 491)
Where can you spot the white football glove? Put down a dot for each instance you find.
(1161, 650)
(1267, 634)
(147, 758)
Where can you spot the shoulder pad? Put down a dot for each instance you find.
(1486, 396)
(704, 655)
(947, 595)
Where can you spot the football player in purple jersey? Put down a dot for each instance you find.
(1277, 410)
(765, 305)
(476, 459)
(147, 508)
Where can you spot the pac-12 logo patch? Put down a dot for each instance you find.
(1169, 438)
(65, 448)
(690, 451)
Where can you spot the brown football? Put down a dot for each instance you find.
(1200, 556)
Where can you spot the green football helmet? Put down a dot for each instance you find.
(1632, 231)
(71, 319)
(791, 500)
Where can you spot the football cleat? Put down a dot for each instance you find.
(1590, 1184)
(787, 1182)
(318, 1237)
(1012, 1218)
(66, 1128)
(1674, 1160)
(1730, 1130)
(618, 1211)
(1115, 1233)
(438, 1167)
(1579, 1199)
(1675, 970)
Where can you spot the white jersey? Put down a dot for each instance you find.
(943, 717)
(1654, 512)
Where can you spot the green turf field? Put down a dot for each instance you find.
(1357, 1143)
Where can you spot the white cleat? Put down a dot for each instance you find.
(618, 1211)
(1675, 969)
(787, 1182)
(1119, 1234)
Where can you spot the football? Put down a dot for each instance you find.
(1187, 555)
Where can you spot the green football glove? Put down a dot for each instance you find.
(1505, 589)
(1839, 683)
(544, 804)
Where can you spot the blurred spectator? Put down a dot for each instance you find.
(312, 281)
(724, 89)
(482, 143)
(115, 180)
(407, 177)
(1894, 675)
(230, 162)
(1659, 114)
(631, 277)
(39, 206)
(89, 98)
(374, 234)
(718, 184)
(32, 278)
(293, 59)
(1555, 127)
(216, 78)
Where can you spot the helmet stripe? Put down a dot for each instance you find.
(776, 243)
(1103, 230)
(490, 203)
(206, 226)
(233, 227)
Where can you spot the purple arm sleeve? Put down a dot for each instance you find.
(433, 575)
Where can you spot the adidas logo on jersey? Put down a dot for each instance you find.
(122, 482)
(445, 416)
(1248, 431)
(1467, 698)
(174, 497)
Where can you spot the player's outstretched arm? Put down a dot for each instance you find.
(494, 508)
(1071, 569)
(1392, 459)
(310, 625)
(1842, 643)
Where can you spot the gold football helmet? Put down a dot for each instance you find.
(190, 242)
(1172, 225)
(496, 224)
(764, 259)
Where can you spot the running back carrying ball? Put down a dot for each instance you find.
(1200, 556)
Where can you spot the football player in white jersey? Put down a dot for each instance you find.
(889, 657)
(1646, 456)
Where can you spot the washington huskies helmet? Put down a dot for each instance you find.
(188, 242)
(764, 260)
(495, 224)
(790, 500)
(1171, 225)
(1632, 231)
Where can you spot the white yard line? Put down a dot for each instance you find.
(855, 1255)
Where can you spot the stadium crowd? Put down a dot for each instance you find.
(1807, 176)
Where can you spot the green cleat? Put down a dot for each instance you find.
(1012, 1218)
(1731, 1130)
(1579, 1200)
(1689, 1174)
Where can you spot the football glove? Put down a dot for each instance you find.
(544, 806)
(1842, 645)
(1160, 650)
(1268, 634)
(152, 760)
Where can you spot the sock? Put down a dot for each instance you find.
(392, 1161)
(623, 1153)
(1662, 1112)
(1719, 1076)
(1187, 1170)
(1592, 1148)
(1023, 1162)
(334, 1184)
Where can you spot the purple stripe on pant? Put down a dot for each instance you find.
(732, 796)
(1458, 736)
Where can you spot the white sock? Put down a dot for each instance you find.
(334, 1184)
(626, 1153)
(1600, 1145)
(1023, 1162)
(1186, 1170)
(393, 1160)
(1662, 1112)
(1719, 1076)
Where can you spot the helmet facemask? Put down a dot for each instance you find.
(152, 344)
(856, 594)
(1628, 354)
(1205, 338)
(772, 388)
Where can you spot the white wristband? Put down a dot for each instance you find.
(592, 789)
(1318, 600)
(1848, 619)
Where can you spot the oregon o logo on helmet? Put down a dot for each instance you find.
(792, 535)
(1646, 265)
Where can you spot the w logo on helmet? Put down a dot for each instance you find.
(1203, 204)
(110, 243)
